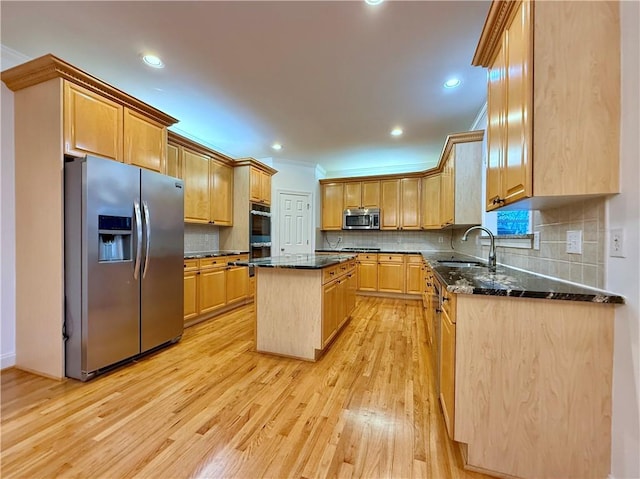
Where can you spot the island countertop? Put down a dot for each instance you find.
(505, 281)
(297, 261)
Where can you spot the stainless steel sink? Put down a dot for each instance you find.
(462, 264)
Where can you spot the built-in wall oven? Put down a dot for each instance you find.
(260, 231)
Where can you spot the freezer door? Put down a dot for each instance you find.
(111, 328)
(163, 262)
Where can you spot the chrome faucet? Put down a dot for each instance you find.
(492, 249)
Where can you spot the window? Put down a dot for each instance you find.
(517, 222)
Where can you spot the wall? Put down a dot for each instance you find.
(300, 178)
(201, 238)
(8, 58)
(623, 273)
(552, 260)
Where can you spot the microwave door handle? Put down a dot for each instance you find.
(136, 268)
(147, 227)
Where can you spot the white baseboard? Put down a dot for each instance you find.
(7, 360)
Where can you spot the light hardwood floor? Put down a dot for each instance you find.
(210, 407)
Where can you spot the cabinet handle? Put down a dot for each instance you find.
(445, 299)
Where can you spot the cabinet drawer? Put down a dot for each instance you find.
(414, 259)
(390, 258)
(238, 257)
(368, 257)
(449, 304)
(213, 262)
(190, 264)
(330, 273)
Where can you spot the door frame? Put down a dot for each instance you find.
(275, 219)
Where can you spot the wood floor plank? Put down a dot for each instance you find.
(210, 406)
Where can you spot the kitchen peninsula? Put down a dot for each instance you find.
(302, 302)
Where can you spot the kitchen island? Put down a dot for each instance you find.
(302, 302)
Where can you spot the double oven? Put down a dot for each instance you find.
(259, 231)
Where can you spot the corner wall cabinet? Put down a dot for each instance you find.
(260, 186)
(549, 144)
(332, 206)
(61, 110)
(208, 181)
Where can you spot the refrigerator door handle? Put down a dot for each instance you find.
(147, 226)
(136, 268)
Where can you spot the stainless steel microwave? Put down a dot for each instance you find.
(361, 219)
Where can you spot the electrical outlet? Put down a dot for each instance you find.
(536, 240)
(616, 243)
(440, 239)
(574, 242)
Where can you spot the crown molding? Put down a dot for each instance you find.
(498, 18)
(48, 67)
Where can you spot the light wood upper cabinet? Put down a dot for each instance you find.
(447, 191)
(430, 195)
(549, 144)
(145, 142)
(260, 186)
(362, 194)
(221, 193)
(332, 198)
(400, 204)
(389, 204)
(92, 124)
(174, 161)
(196, 187)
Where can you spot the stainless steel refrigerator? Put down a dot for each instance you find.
(124, 250)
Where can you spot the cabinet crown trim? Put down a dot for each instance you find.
(497, 20)
(256, 164)
(48, 67)
(177, 140)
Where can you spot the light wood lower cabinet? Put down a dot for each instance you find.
(367, 271)
(211, 285)
(330, 306)
(391, 271)
(447, 370)
(414, 274)
(338, 298)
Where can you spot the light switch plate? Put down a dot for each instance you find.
(616, 243)
(536, 240)
(574, 242)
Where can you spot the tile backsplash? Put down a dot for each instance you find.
(388, 240)
(552, 259)
(199, 238)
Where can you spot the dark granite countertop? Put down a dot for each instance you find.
(366, 250)
(212, 254)
(511, 282)
(299, 261)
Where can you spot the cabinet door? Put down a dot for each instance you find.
(496, 129)
(447, 191)
(352, 195)
(447, 371)
(370, 194)
(329, 311)
(414, 275)
(431, 202)
(255, 195)
(368, 276)
(351, 286)
(221, 202)
(237, 283)
(174, 161)
(332, 197)
(190, 295)
(145, 142)
(212, 289)
(196, 187)
(92, 124)
(410, 203)
(390, 204)
(391, 277)
(265, 187)
(517, 167)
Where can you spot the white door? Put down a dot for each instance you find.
(294, 216)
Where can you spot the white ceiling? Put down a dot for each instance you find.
(327, 79)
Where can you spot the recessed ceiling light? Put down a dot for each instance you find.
(397, 132)
(153, 61)
(452, 83)
(373, 2)
(276, 146)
